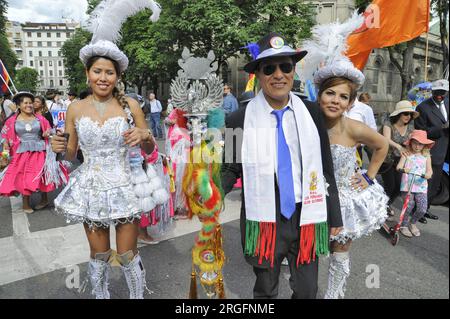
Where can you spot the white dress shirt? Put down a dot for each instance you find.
(293, 142)
(363, 113)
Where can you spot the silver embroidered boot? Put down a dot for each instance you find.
(134, 272)
(338, 272)
(98, 272)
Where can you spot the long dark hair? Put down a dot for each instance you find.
(120, 96)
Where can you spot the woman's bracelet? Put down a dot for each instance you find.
(368, 179)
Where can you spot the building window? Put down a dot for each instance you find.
(61, 82)
(38, 34)
(39, 43)
(30, 43)
(41, 63)
(40, 53)
(50, 63)
(51, 83)
(29, 34)
(58, 34)
(59, 53)
(376, 75)
(58, 43)
(49, 43)
(31, 63)
(49, 35)
(41, 73)
(59, 63)
(60, 73)
(68, 34)
(49, 53)
(50, 73)
(30, 53)
(390, 78)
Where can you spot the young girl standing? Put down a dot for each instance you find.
(417, 162)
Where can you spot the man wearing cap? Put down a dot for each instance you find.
(289, 197)
(433, 119)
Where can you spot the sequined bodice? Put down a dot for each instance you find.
(106, 163)
(344, 163)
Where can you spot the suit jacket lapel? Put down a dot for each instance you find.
(435, 109)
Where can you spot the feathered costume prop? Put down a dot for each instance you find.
(204, 198)
(327, 46)
(198, 93)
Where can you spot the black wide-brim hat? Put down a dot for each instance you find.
(18, 95)
(270, 46)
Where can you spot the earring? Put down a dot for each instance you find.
(88, 82)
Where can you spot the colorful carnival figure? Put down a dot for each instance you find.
(24, 137)
(197, 92)
(363, 201)
(286, 166)
(110, 187)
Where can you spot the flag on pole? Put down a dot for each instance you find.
(4, 78)
(387, 23)
(251, 83)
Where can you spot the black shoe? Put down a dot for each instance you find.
(431, 216)
(423, 220)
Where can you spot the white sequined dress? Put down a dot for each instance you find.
(362, 211)
(99, 192)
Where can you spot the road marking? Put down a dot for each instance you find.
(27, 254)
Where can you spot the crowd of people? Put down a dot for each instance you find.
(317, 197)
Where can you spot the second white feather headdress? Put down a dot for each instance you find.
(105, 23)
(326, 50)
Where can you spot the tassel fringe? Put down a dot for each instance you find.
(313, 241)
(260, 240)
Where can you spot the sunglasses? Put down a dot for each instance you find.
(407, 114)
(285, 67)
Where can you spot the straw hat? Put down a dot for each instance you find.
(404, 106)
(421, 137)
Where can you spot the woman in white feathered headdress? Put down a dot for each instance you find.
(110, 187)
(363, 201)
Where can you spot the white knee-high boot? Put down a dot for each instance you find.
(338, 272)
(134, 272)
(98, 272)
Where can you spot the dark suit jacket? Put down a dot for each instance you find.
(232, 171)
(431, 120)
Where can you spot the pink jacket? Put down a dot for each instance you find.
(8, 132)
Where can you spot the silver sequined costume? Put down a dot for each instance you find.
(362, 211)
(100, 192)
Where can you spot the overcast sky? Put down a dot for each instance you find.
(46, 10)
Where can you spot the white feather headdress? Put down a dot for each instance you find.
(105, 23)
(326, 50)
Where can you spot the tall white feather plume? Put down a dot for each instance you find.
(328, 43)
(106, 20)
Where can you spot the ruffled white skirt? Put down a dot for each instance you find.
(362, 212)
(84, 200)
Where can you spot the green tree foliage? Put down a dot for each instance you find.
(361, 5)
(27, 79)
(74, 68)
(6, 54)
(203, 25)
(441, 9)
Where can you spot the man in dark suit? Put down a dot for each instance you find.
(433, 118)
(274, 68)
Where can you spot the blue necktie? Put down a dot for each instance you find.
(285, 179)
